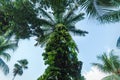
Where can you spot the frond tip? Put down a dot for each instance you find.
(78, 32)
(4, 67)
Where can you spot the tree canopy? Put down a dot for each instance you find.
(48, 20)
(109, 64)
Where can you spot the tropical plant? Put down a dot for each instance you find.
(5, 44)
(18, 67)
(37, 21)
(61, 57)
(82, 78)
(110, 64)
(41, 18)
(106, 11)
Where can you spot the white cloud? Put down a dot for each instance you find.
(94, 74)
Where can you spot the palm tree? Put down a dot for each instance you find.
(61, 57)
(5, 44)
(18, 67)
(106, 11)
(110, 64)
(56, 25)
(63, 14)
(66, 17)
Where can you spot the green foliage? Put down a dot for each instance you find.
(105, 11)
(21, 16)
(82, 78)
(5, 45)
(112, 77)
(110, 64)
(50, 21)
(18, 67)
(100, 8)
(61, 56)
(118, 43)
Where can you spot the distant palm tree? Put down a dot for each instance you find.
(110, 64)
(5, 44)
(18, 67)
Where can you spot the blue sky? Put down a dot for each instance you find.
(101, 38)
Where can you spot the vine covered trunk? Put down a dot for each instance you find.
(61, 56)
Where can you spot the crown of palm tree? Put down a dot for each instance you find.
(110, 64)
(18, 67)
(68, 17)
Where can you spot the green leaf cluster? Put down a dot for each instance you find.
(61, 56)
(109, 64)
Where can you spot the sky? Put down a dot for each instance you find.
(101, 38)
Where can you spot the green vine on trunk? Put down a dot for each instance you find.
(61, 56)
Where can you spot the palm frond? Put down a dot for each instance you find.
(112, 16)
(110, 63)
(71, 11)
(68, 15)
(109, 3)
(102, 57)
(8, 34)
(4, 67)
(78, 31)
(7, 45)
(45, 22)
(115, 61)
(6, 56)
(23, 63)
(112, 77)
(95, 8)
(42, 40)
(20, 72)
(100, 67)
(18, 67)
(45, 14)
(91, 7)
(118, 43)
(75, 18)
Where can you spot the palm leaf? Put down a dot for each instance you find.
(78, 31)
(8, 46)
(45, 22)
(112, 16)
(110, 64)
(75, 18)
(23, 63)
(5, 55)
(4, 67)
(71, 11)
(118, 43)
(91, 8)
(100, 67)
(111, 77)
(18, 67)
(45, 14)
(109, 3)
(17, 70)
(42, 40)
(95, 8)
